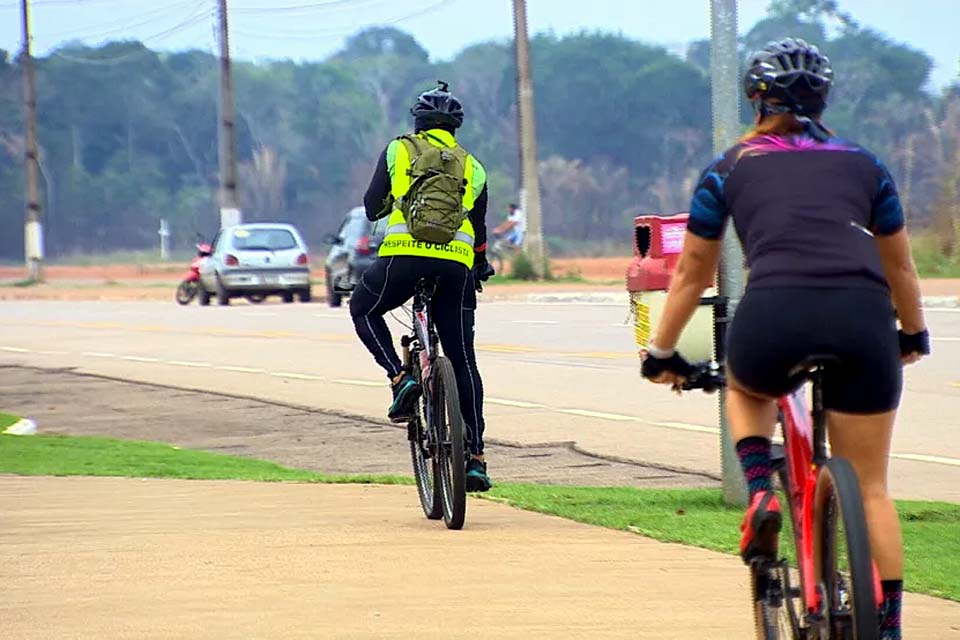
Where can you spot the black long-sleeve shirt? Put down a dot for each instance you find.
(379, 189)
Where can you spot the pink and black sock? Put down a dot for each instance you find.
(754, 454)
(890, 610)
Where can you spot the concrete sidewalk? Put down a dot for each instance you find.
(115, 558)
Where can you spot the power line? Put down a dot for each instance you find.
(96, 32)
(55, 3)
(300, 7)
(312, 34)
(111, 60)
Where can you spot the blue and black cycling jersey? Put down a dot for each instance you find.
(805, 211)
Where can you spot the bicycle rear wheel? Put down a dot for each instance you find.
(451, 459)
(844, 568)
(424, 469)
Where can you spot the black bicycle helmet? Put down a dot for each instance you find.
(788, 76)
(438, 106)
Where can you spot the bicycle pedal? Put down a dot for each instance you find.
(777, 457)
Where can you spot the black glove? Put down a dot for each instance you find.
(482, 270)
(653, 367)
(914, 343)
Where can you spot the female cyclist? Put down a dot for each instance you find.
(829, 260)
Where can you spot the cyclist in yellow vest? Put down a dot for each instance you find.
(403, 260)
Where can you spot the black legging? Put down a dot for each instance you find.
(387, 285)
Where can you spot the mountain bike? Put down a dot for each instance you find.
(437, 432)
(834, 593)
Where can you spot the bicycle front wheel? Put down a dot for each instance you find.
(451, 459)
(843, 564)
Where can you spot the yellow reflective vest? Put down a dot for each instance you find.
(397, 241)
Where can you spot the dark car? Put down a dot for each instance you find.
(353, 249)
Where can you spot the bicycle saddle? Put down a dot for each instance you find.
(813, 363)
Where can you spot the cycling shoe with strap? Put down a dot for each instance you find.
(761, 527)
(406, 392)
(477, 479)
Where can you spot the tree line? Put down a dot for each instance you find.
(129, 135)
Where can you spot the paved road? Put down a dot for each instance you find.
(553, 373)
(72, 403)
(92, 558)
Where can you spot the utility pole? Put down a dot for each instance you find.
(229, 207)
(32, 228)
(725, 101)
(529, 176)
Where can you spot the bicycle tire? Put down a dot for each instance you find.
(424, 460)
(450, 459)
(766, 616)
(792, 589)
(496, 259)
(850, 611)
(187, 291)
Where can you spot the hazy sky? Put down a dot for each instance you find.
(312, 29)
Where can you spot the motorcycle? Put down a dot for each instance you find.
(189, 287)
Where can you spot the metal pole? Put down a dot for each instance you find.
(529, 176)
(164, 240)
(229, 207)
(32, 228)
(725, 100)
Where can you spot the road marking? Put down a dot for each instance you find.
(360, 383)
(262, 314)
(514, 403)
(240, 369)
(919, 457)
(586, 413)
(140, 359)
(505, 348)
(98, 354)
(947, 339)
(338, 316)
(295, 376)
(683, 426)
(53, 353)
(187, 363)
(940, 310)
(600, 355)
(14, 349)
(535, 321)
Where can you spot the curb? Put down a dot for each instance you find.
(587, 297)
(941, 302)
(25, 427)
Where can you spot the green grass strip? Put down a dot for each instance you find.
(695, 517)
(7, 420)
(698, 517)
(53, 455)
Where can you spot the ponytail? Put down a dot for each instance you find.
(784, 124)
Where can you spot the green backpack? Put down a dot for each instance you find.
(433, 207)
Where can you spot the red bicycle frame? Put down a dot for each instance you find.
(798, 439)
(804, 449)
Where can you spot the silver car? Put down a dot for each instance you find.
(255, 261)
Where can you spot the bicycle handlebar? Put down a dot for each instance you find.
(706, 376)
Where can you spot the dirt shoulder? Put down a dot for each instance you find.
(62, 401)
(158, 282)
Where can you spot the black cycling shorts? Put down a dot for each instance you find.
(775, 329)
